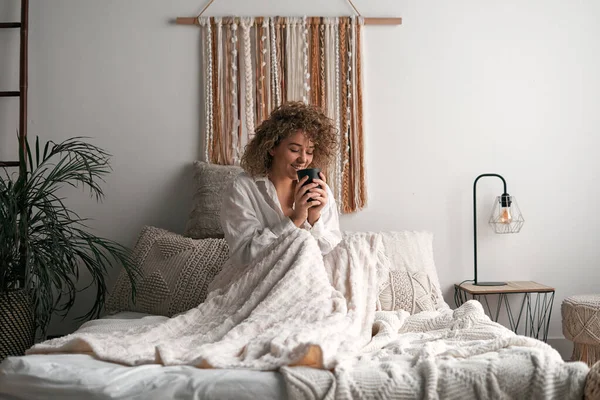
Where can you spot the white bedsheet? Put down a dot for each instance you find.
(80, 376)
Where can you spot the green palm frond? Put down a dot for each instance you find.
(43, 244)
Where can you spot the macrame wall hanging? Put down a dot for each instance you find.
(250, 65)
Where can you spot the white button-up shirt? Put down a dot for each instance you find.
(252, 219)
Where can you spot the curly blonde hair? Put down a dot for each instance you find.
(283, 122)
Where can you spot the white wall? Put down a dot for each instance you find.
(460, 88)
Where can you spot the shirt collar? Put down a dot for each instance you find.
(261, 178)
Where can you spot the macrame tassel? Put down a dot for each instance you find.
(247, 23)
(217, 89)
(228, 92)
(314, 82)
(294, 83)
(208, 90)
(331, 99)
(323, 91)
(360, 148)
(344, 114)
(235, 100)
(338, 119)
(290, 57)
(274, 64)
(263, 58)
(306, 74)
(353, 134)
(281, 51)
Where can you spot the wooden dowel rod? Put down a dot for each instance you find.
(383, 21)
(368, 21)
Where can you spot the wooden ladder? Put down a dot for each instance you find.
(22, 92)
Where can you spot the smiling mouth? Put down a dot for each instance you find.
(297, 167)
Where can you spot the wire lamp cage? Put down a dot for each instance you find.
(506, 218)
(506, 215)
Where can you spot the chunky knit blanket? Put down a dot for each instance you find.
(282, 310)
(293, 309)
(445, 354)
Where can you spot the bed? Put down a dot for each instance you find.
(76, 376)
(366, 321)
(81, 376)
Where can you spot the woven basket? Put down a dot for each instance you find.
(16, 323)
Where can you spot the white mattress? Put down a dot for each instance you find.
(79, 376)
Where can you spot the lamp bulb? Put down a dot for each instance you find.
(505, 217)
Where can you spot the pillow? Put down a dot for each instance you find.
(175, 273)
(412, 251)
(411, 291)
(210, 181)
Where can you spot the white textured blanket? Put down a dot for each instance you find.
(445, 354)
(282, 311)
(292, 310)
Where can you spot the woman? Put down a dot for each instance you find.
(267, 200)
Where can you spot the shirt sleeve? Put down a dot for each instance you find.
(327, 229)
(244, 233)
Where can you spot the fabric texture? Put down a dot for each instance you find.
(411, 291)
(210, 182)
(252, 219)
(581, 325)
(175, 273)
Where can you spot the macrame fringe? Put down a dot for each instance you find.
(248, 77)
(362, 190)
(587, 353)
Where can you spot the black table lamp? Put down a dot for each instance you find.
(506, 218)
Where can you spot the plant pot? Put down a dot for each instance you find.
(16, 323)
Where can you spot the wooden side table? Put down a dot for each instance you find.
(537, 311)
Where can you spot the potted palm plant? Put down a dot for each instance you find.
(44, 245)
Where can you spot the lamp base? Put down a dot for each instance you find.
(490, 284)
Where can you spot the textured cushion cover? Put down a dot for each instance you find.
(175, 273)
(411, 291)
(210, 180)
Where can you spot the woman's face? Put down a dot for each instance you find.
(290, 155)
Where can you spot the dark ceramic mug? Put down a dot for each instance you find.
(312, 173)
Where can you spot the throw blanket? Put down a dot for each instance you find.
(283, 310)
(293, 309)
(445, 354)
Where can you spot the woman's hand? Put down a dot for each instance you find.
(319, 201)
(301, 203)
